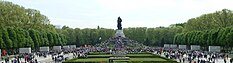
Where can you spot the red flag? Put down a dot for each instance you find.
(4, 52)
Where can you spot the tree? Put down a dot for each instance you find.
(6, 39)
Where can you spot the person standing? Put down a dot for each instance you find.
(225, 58)
(17, 59)
(231, 60)
(36, 61)
(225, 61)
(6, 60)
(14, 60)
(52, 57)
(183, 60)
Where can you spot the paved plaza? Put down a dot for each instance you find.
(220, 60)
(48, 59)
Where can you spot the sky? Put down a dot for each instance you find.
(134, 13)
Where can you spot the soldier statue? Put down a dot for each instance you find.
(119, 23)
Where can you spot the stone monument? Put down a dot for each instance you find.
(184, 47)
(119, 44)
(44, 49)
(119, 32)
(195, 47)
(0, 53)
(119, 41)
(66, 47)
(214, 48)
(72, 46)
(119, 49)
(25, 50)
(57, 48)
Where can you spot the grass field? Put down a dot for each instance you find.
(108, 55)
(106, 59)
(147, 59)
(231, 55)
(139, 55)
(92, 60)
(134, 58)
(100, 55)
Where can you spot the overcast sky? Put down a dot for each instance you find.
(134, 13)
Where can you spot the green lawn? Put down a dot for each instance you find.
(147, 59)
(231, 55)
(130, 55)
(100, 55)
(131, 59)
(104, 58)
(139, 55)
(92, 60)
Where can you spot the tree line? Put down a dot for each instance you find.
(21, 27)
(215, 37)
(86, 36)
(13, 38)
(212, 29)
(153, 36)
(25, 27)
(215, 20)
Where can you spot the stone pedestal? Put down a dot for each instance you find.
(119, 33)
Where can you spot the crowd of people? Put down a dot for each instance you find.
(29, 58)
(188, 56)
(182, 56)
